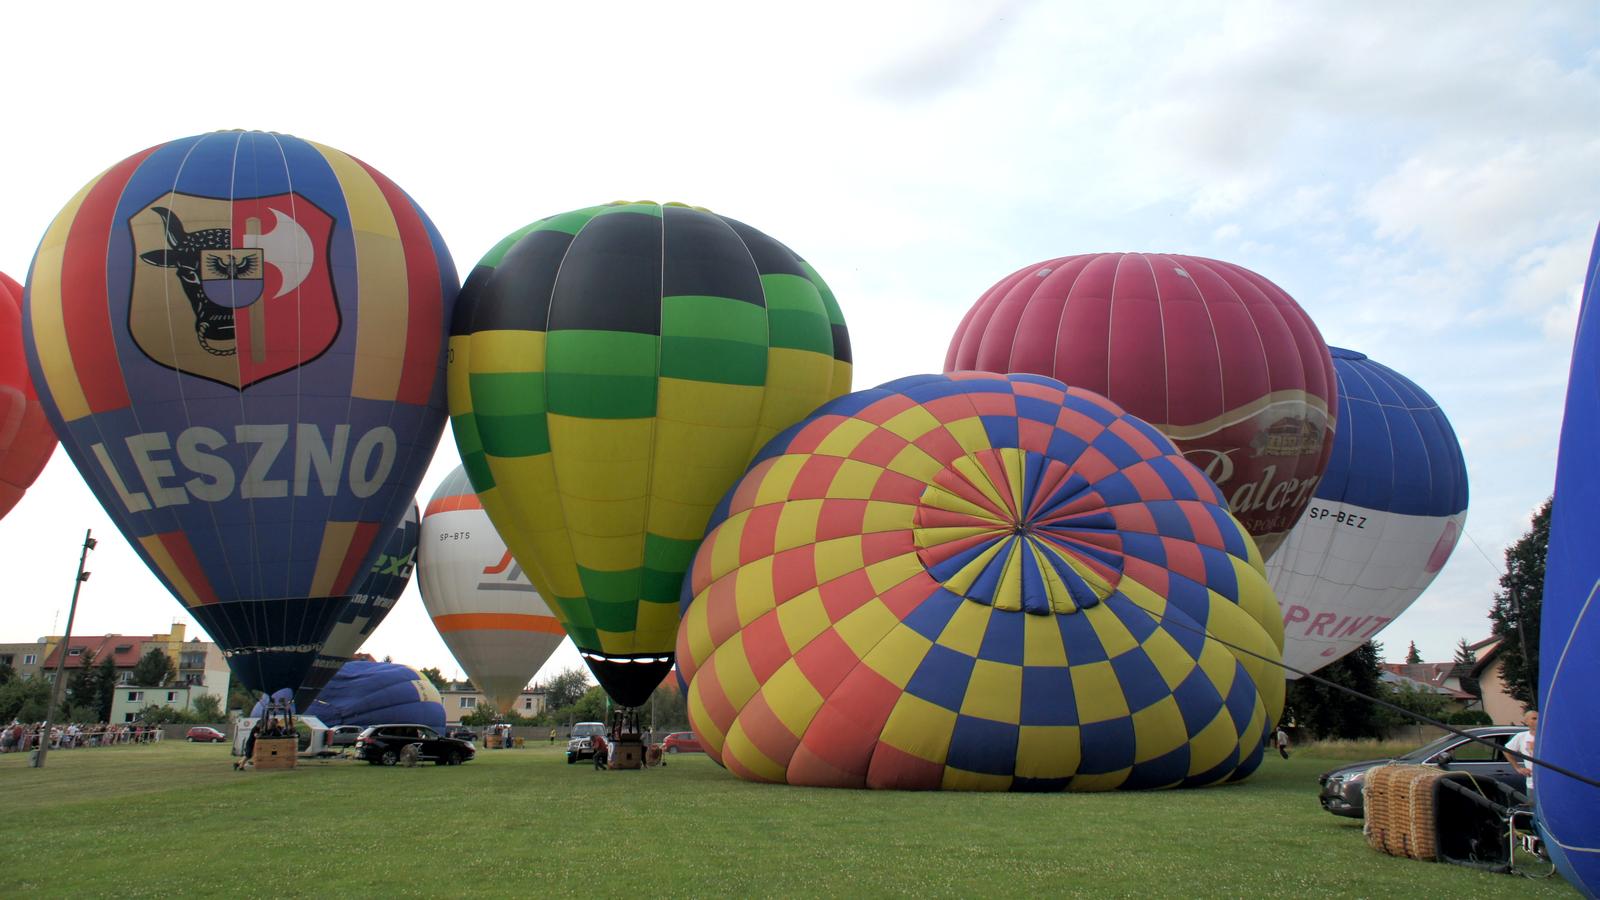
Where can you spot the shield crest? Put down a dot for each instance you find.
(233, 291)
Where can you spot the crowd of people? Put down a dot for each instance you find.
(20, 736)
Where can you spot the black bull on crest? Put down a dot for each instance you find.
(213, 322)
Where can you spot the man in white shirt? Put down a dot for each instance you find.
(1523, 743)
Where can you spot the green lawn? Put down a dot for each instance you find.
(175, 818)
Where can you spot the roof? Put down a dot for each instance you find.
(1486, 657)
(1432, 677)
(103, 645)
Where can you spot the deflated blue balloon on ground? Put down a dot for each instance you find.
(373, 693)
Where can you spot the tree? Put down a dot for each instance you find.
(1330, 713)
(667, 710)
(7, 673)
(436, 677)
(1462, 671)
(90, 690)
(154, 669)
(164, 715)
(1418, 700)
(1412, 656)
(240, 697)
(24, 699)
(591, 707)
(1514, 616)
(566, 689)
(206, 708)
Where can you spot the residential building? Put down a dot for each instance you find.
(1433, 678)
(460, 698)
(24, 659)
(202, 669)
(130, 699)
(1489, 670)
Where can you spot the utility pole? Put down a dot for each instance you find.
(37, 759)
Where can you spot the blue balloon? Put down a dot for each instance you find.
(1569, 626)
(1384, 519)
(239, 338)
(373, 693)
(385, 582)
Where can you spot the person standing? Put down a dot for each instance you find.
(1522, 743)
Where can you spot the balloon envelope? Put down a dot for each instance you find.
(481, 601)
(373, 693)
(239, 337)
(386, 580)
(26, 440)
(1569, 625)
(979, 582)
(1220, 359)
(612, 372)
(1389, 510)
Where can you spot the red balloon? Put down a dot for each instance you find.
(1220, 359)
(26, 440)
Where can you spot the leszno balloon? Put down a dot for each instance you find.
(481, 601)
(386, 580)
(1569, 632)
(979, 582)
(612, 372)
(26, 440)
(1220, 359)
(239, 338)
(1383, 522)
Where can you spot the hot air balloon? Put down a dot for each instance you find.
(612, 372)
(1382, 522)
(979, 582)
(239, 337)
(364, 693)
(1569, 624)
(386, 580)
(488, 612)
(1220, 359)
(26, 440)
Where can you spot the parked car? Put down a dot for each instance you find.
(463, 734)
(582, 742)
(681, 742)
(205, 734)
(381, 745)
(341, 736)
(1342, 787)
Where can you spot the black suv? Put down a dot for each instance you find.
(381, 745)
(1342, 787)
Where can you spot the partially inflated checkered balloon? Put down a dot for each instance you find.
(979, 582)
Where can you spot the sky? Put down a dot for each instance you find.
(1423, 178)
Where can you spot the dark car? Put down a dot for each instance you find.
(205, 734)
(464, 734)
(382, 745)
(1342, 787)
(681, 742)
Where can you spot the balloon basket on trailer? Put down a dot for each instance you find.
(624, 746)
(275, 743)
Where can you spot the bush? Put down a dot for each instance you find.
(1470, 718)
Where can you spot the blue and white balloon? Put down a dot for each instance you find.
(1382, 523)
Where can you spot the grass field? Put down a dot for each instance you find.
(175, 818)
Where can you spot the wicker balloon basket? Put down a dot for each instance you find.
(1403, 806)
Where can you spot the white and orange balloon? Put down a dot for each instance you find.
(488, 612)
